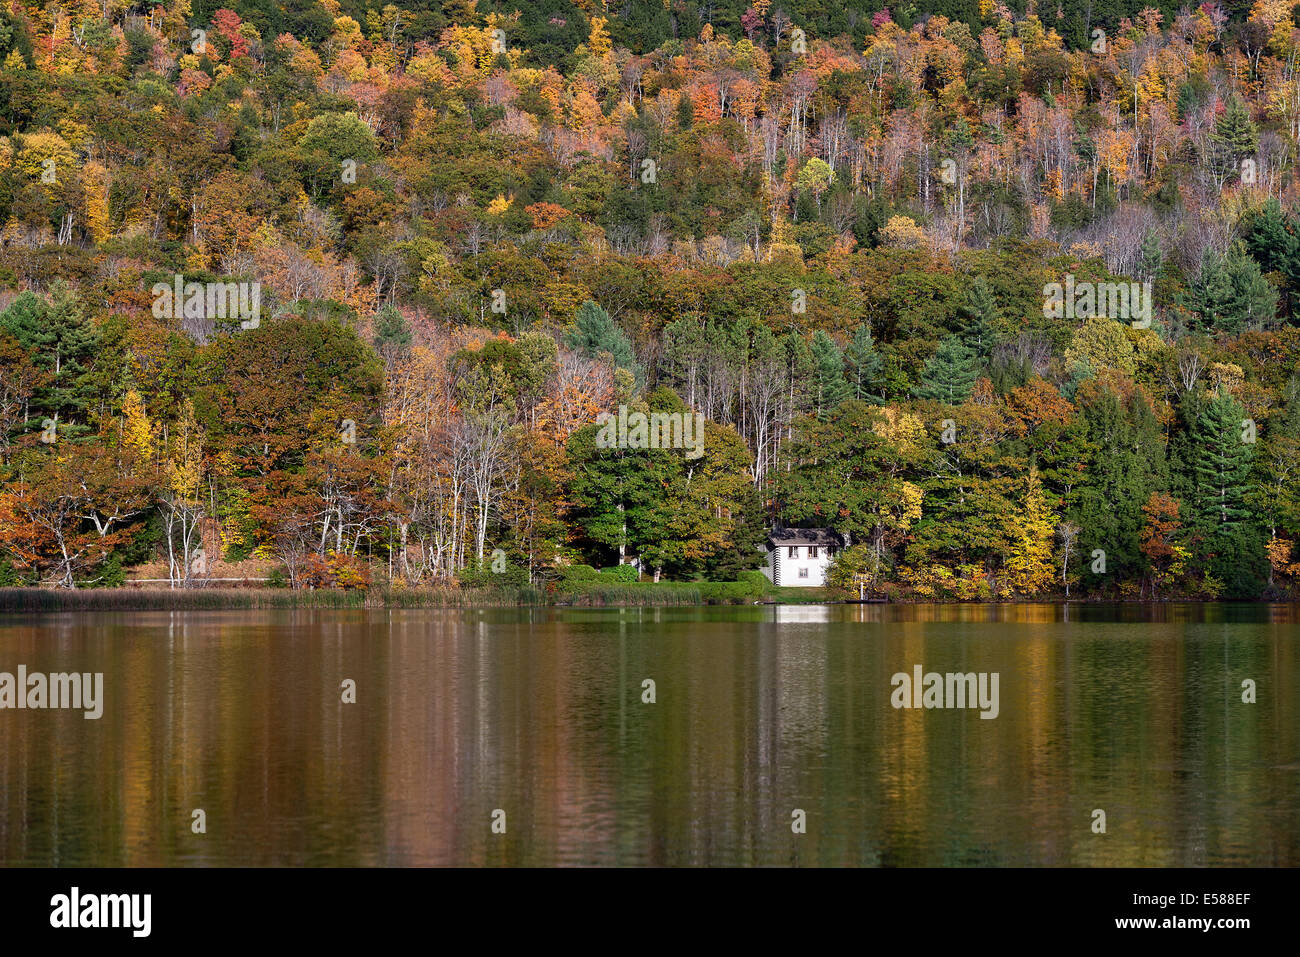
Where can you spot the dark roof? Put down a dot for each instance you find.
(804, 536)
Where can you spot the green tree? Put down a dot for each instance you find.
(594, 333)
(950, 373)
(1230, 293)
(1221, 459)
(842, 473)
(1128, 463)
(1221, 463)
(675, 512)
(1150, 258)
(864, 366)
(393, 334)
(330, 141)
(1233, 138)
(1272, 237)
(63, 342)
(828, 363)
(981, 318)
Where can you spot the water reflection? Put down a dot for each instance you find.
(758, 711)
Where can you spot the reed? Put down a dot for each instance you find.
(586, 593)
(165, 599)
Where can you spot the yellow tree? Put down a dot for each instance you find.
(137, 432)
(181, 501)
(1029, 567)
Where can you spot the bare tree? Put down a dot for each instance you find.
(1068, 533)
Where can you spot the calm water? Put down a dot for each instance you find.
(759, 711)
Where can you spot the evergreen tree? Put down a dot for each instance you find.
(1150, 258)
(1273, 238)
(1221, 463)
(980, 314)
(750, 532)
(1129, 463)
(1233, 138)
(800, 370)
(841, 473)
(864, 366)
(25, 320)
(1209, 295)
(63, 341)
(1254, 298)
(595, 332)
(828, 365)
(1231, 294)
(1221, 460)
(958, 137)
(393, 333)
(950, 374)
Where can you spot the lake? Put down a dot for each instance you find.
(536, 722)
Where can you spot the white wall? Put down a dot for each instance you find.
(785, 571)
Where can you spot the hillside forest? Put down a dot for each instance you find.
(458, 232)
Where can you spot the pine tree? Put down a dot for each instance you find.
(958, 136)
(1254, 300)
(393, 333)
(864, 366)
(1233, 138)
(745, 551)
(981, 315)
(1128, 464)
(1221, 463)
(1210, 293)
(1233, 548)
(950, 373)
(64, 342)
(25, 320)
(828, 365)
(800, 369)
(1273, 239)
(1150, 258)
(595, 332)
(1231, 293)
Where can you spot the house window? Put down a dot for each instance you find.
(794, 551)
(803, 573)
(812, 551)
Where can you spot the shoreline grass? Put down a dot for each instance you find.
(181, 599)
(587, 594)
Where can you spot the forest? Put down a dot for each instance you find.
(443, 239)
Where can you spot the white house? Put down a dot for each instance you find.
(799, 557)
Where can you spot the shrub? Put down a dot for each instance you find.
(336, 571)
(572, 574)
(620, 573)
(515, 576)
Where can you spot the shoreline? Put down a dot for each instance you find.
(639, 594)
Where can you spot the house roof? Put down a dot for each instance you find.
(804, 536)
